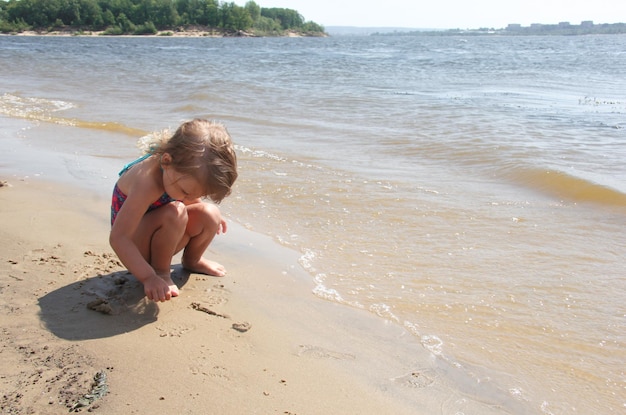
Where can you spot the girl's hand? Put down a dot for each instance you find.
(156, 289)
(223, 226)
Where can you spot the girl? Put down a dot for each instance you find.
(157, 209)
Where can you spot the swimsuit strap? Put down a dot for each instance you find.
(132, 163)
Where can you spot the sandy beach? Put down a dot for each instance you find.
(176, 33)
(190, 32)
(78, 333)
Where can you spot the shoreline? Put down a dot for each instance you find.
(199, 33)
(301, 355)
(333, 358)
(262, 343)
(255, 341)
(341, 359)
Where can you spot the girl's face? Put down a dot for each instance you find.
(181, 186)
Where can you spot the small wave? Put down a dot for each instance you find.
(305, 260)
(326, 293)
(31, 108)
(433, 344)
(571, 188)
(43, 110)
(189, 109)
(108, 126)
(383, 310)
(258, 153)
(320, 289)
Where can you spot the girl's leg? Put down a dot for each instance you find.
(157, 238)
(202, 226)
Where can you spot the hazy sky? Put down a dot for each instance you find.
(451, 14)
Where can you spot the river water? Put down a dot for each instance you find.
(469, 189)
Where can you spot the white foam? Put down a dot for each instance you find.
(383, 310)
(35, 108)
(433, 343)
(258, 153)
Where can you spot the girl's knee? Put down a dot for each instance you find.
(212, 213)
(203, 217)
(174, 214)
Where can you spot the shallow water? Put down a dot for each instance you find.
(471, 190)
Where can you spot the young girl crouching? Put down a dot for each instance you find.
(157, 208)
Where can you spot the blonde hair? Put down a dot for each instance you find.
(202, 149)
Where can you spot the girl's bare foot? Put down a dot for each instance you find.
(204, 266)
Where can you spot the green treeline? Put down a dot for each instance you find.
(117, 17)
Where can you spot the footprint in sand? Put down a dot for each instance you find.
(216, 295)
(215, 371)
(173, 330)
(219, 372)
(416, 379)
(321, 353)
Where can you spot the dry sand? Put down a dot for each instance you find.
(244, 344)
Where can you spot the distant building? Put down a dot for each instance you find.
(586, 23)
(564, 24)
(514, 26)
(536, 25)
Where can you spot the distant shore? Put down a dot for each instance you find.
(536, 29)
(162, 33)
